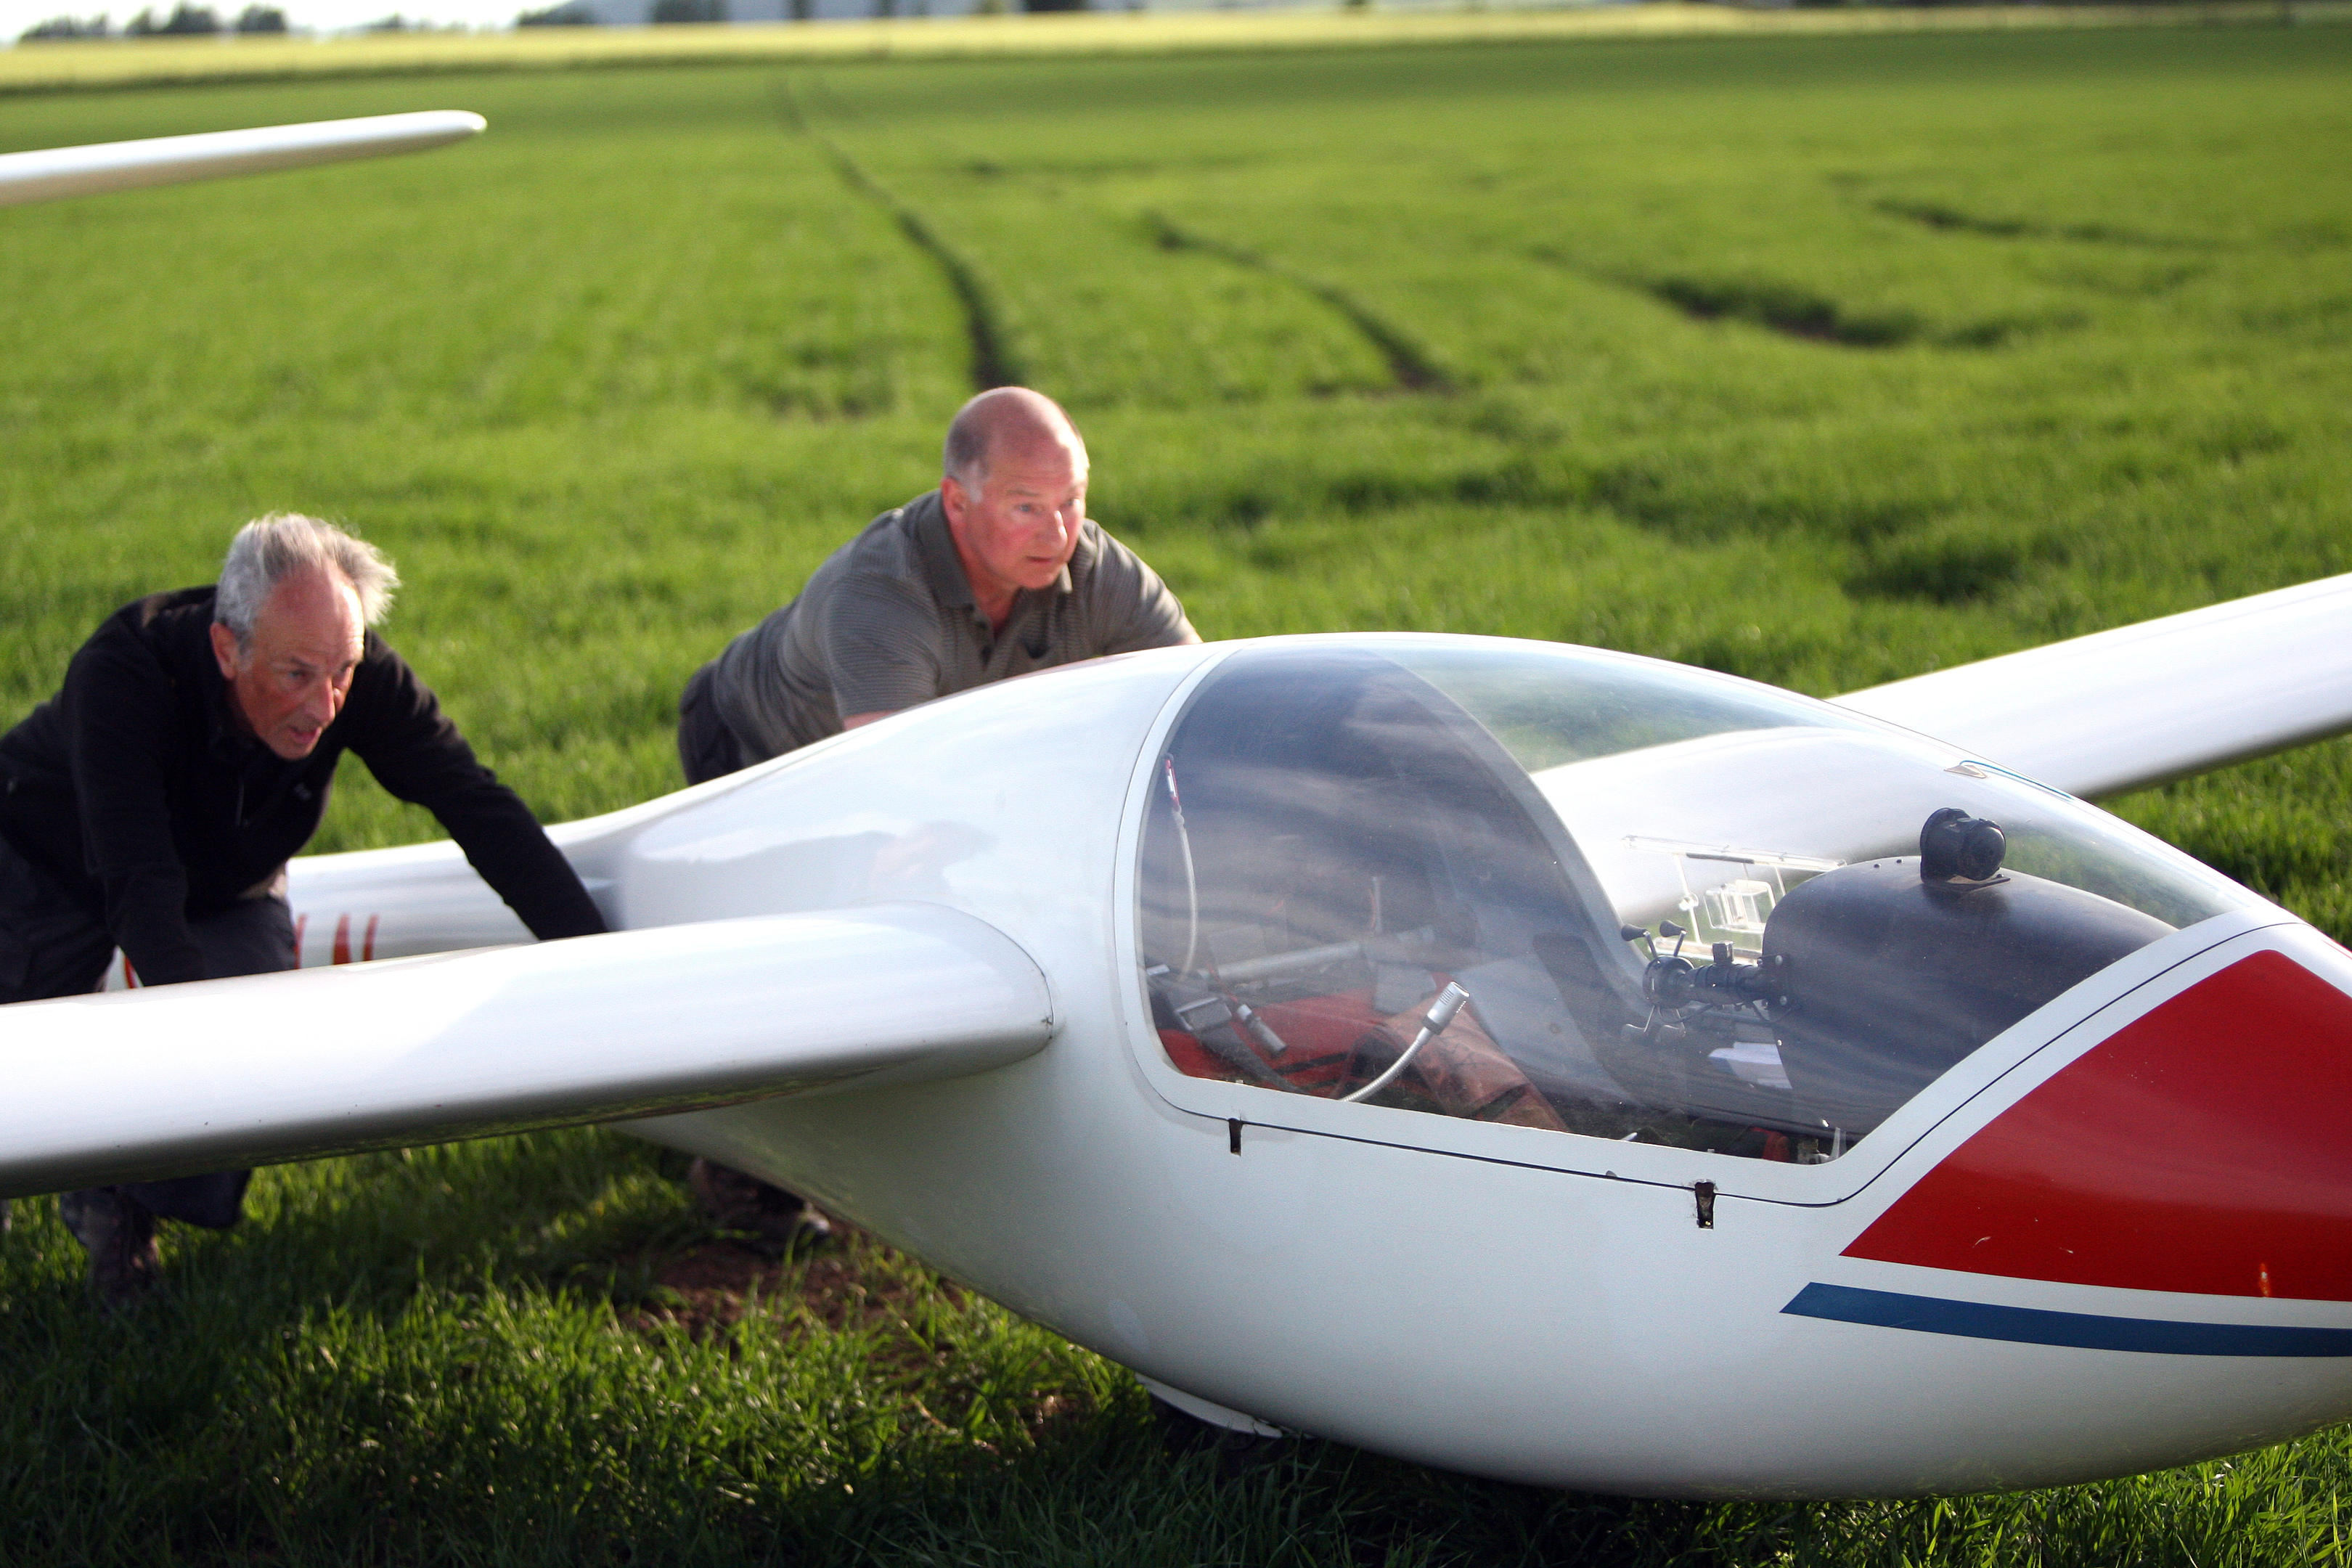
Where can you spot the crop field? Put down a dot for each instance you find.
(1823, 359)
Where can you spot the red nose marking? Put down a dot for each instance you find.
(2206, 1148)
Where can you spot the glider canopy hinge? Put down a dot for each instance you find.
(1234, 1133)
(1704, 1192)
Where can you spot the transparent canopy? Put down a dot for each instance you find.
(1576, 891)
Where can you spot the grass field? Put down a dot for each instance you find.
(1819, 359)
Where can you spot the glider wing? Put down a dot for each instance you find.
(225, 1073)
(57, 172)
(2121, 709)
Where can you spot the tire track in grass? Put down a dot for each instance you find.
(994, 363)
(1409, 363)
(1953, 220)
(1786, 309)
(1796, 312)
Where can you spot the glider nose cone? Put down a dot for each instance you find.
(2204, 1148)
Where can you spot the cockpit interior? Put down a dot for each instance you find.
(1562, 888)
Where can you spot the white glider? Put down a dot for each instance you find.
(1918, 1171)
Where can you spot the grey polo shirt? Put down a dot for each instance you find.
(888, 621)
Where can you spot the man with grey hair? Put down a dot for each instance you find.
(996, 573)
(153, 802)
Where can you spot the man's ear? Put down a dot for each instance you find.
(954, 500)
(224, 650)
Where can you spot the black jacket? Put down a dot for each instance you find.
(138, 793)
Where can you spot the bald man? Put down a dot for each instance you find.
(997, 573)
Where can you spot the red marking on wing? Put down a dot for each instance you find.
(367, 948)
(343, 940)
(2203, 1148)
(130, 976)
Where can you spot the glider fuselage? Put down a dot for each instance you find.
(2109, 1238)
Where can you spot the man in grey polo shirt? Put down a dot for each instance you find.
(996, 573)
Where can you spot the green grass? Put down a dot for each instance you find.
(1822, 360)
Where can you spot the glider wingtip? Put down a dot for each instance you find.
(440, 127)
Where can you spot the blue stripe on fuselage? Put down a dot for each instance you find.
(2082, 1331)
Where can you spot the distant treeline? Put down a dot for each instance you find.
(185, 18)
(577, 14)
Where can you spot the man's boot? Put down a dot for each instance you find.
(120, 1237)
(742, 1201)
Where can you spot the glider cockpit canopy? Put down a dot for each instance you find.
(1597, 894)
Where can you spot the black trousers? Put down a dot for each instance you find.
(707, 747)
(51, 946)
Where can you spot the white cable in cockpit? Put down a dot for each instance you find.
(1191, 886)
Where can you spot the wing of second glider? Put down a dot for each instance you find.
(55, 172)
(227, 1073)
